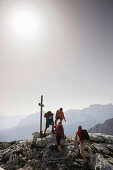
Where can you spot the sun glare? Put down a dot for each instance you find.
(26, 24)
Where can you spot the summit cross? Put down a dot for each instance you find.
(41, 106)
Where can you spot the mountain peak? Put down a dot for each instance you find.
(42, 153)
(99, 105)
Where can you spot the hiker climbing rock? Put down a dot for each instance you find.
(49, 120)
(59, 134)
(83, 136)
(59, 115)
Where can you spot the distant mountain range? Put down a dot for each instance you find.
(87, 117)
(106, 127)
(9, 121)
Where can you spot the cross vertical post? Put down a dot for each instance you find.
(41, 105)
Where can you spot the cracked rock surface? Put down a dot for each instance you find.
(42, 154)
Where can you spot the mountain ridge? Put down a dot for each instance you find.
(106, 127)
(87, 117)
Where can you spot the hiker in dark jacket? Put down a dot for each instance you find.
(59, 134)
(82, 142)
(49, 120)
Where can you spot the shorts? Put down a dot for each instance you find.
(48, 122)
(81, 147)
(58, 138)
(58, 118)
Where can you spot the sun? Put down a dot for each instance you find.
(26, 23)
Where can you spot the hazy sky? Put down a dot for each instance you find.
(62, 49)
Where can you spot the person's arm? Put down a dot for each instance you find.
(53, 126)
(62, 132)
(56, 114)
(63, 117)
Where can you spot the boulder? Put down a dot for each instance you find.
(102, 163)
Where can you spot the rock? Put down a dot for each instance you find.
(99, 137)
(110, 147)
(101, 163)
(100, 148)
(71, 148)
(26, 168)
(42, 142)
(96, 137)
(110, 160)
(106, 127)
(36, 135)
(42, 153)
(1, 168)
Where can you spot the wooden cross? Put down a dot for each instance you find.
(41, 105)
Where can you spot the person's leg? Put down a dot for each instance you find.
(82, 145)
(53, 127)
(47, 125)
(56, 121)
(84, 157)
(58, 138)
(60, 148)
(45, 130)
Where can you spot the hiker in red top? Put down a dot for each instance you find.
(59, 134)
(82, 142)
(59, 115)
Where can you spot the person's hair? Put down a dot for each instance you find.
(61, 109)
(80, 127)
(60, 123)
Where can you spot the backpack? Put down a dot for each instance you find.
(48, 114)
(84, 135)
(59, 114)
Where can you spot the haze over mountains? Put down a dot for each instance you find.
(9, 121)
(87, 117)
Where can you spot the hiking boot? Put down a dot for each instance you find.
(44, 135)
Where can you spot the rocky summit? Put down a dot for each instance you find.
(42, 154)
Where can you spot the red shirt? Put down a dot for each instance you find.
(80, 135)
(60, 131)
(62, 114)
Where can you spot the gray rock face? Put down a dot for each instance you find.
(99, 137)
(102, 164)
(110, 146)
(100, 148)
(42, 154)
(106, 127)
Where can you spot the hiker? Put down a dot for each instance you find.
(59, 115)
(59, 134)
(49, 120)
(82, 142)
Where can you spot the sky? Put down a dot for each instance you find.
(59, 49)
